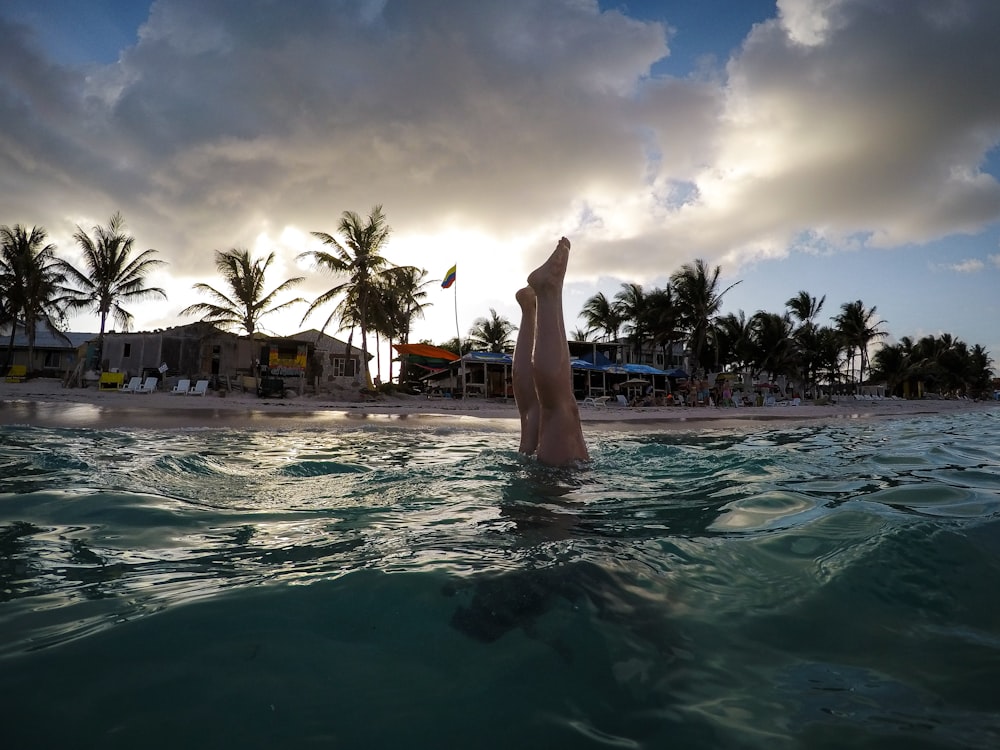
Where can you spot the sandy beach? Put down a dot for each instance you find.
(45, 402)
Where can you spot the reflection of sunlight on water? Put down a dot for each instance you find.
(761, 511)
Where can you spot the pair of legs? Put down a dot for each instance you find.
(542, 379)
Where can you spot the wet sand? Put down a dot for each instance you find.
(44, 402)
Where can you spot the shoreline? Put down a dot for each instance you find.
(45, 403)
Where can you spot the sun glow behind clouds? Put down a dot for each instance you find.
(486, 131)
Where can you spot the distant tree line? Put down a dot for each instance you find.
(792, 344)
(38, 290)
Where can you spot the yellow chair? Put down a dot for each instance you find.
(111, 381)
(17, 373)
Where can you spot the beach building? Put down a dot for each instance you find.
(195, 350)
(308, 359)
(52, 355)
(333, 364)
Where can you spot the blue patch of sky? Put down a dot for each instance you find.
(904, 284)
(991, 161)
(703, 32)
(79, 32)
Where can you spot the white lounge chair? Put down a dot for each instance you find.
(182, 387)
(149, 386)
(200, 389)
(131, 386)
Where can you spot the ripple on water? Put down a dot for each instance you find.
(704, 589)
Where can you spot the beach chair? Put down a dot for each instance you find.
(149, 386)
(111, 381)
(200, 389)
(182, 387)
(17, 374)
(620, 400)
(131, 386)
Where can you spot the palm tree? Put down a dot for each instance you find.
(829, 347)
(735, 340)
(492, 334)
(661, 320)
(699, 301)
(359, 259)
(404, 299)
(858, 327)
(408, 287)
(600, 314)
(113, 277)
(893, 364)
(804, 307)
(979, 371)
(774, 349)
(32, 284)
(248, 302)
(578, 334)
(630, 304)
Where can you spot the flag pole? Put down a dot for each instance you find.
(449, 281)
(458, 337)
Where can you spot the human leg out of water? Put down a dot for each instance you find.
(522, 376)
(560, 435)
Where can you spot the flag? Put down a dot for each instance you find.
(449, 277)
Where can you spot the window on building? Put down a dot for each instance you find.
(128, 351)
(344, 367)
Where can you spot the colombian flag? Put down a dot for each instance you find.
(449, 278)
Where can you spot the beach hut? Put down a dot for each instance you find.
(495, 370)
(52, 354)
(423, 362)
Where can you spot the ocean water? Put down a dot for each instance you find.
(778, 586)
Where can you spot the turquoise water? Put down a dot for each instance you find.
(818, 586)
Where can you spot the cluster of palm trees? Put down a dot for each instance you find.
(39, 290)
(790, 344)
(374, 296)
(943, 363)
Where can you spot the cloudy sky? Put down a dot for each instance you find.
(845, 147)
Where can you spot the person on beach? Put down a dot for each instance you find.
(542, 379)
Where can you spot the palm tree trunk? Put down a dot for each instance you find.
(10, 344)
(347, 350)
(100, 341)
(253, 360)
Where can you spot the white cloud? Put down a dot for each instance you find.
(253, 123)
(971, 265)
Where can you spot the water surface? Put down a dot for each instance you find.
(818, 586)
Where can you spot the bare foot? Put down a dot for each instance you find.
(551, 273)
(526, 299)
